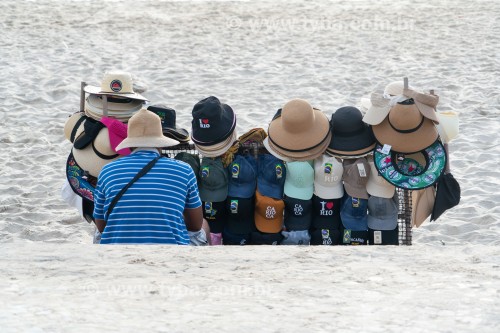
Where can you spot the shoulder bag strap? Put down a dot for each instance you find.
(125, 188)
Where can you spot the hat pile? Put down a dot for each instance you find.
(298, 132)
(168, 123)
(115, 97)
(213, 127)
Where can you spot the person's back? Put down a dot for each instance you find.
(151, 210)
(160, 205)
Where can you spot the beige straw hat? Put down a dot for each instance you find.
(144, 130)
(426, 103)
(116, 83)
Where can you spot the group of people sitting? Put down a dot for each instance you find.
(311, 180)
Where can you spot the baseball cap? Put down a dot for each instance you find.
(354, 237)
(213, 180)
(242, 176)
(325, 237)
(377, 185)
(216, 215)
(271, 176)
(325, 213)
(229, 238)
(268, 213)
(262, 238)
(353, 213)
(382, 213)
(355, 176)
(299, 180)
(240, 215)
(298, 214)
(191, 159)
(296, 237)
(384, 237)
(328, 177)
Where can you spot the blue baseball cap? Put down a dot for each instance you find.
(242, 177)
(354, 213)
(271, 176)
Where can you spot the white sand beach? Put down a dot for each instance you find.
(253, 55)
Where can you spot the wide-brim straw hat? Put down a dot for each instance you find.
(378, 109)
(405, 129)
(144, 130)
(217, 149)
(299, 131)
(300, 156)
(95, 155)
(426, 103)
(116, 83)
(119, 108)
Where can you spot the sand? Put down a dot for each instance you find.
(253, 55)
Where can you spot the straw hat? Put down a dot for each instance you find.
(426, 103)
(116, 83)
(96, 154)
(405, 129)
(448, 125)
(144, 130)
(217, 149)
(72, 124)
(378, 109)
(299, 131)
(118, 107)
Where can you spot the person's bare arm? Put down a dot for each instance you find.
(193, 218)
(100, 224)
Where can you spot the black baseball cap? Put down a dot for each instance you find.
(298, 214)
(262, 238)
(240, 215)
(215, 214)
(326, 213)
(325, 237)
(229, 238)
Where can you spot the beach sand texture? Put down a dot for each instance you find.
(254, 56)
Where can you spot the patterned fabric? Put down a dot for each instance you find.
(151, 210)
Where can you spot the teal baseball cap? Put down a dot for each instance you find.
(299, 180)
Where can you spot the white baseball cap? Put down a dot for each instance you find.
(377, 185)
(328, 177)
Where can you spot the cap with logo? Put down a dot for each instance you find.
(296, 237)
(299, 181)
(382, 213)
(268, 213)
(298, 214)
(240, 215)
(191, 159)
(271, 176)
(328, 177)
(355, 177)
(242, 176)
(325, 237)
(354, 213)
(229, 238)
(213, 180)
(325, 213)
(216, 215)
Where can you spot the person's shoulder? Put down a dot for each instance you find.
(181, 165)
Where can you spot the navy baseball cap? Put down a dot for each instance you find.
(240, 215)
(383, 213)
(242, 176)
(215, 214)
(326, 213)
(325, 237)
(229, 238)
(352, 237)
(271, 176)
(298, 214)
(354, 213)
(262, 238)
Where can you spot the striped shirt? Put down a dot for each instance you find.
(151, 210)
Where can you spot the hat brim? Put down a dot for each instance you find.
(299, 143)
(376, 114)
(153, 142)
(413, 142)
(218, 149)
(329, 192)
(94, 90)
(288, 156)
(351, 154)
(212, 195)
(179, 134)
(89, 161)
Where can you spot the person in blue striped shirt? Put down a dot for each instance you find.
(161, 207)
